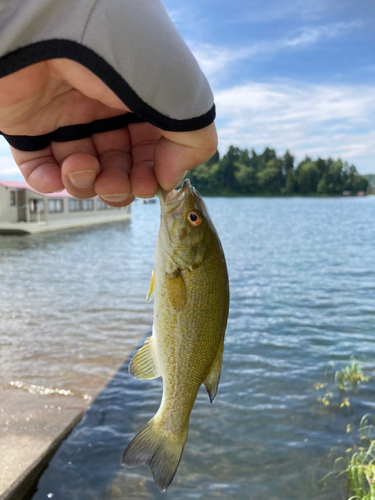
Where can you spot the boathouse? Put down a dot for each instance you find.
(24, 210)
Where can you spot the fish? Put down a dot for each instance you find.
(190, 288)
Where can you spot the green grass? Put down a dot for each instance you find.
(360, 466)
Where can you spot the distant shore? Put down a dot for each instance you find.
(241, 172)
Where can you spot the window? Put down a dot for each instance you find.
(12, 198)
(37, 206)
(100, 205)
(74, 205)
(80, 205)
(87, 205)
(55, 206)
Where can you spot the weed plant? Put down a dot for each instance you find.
(360, 466)
(350, 377)
(344, 381)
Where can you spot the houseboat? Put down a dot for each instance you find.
(23, 210)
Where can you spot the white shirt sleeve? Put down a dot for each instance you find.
(132, 45)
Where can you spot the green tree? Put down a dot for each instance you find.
(322, 166)
(290, 182)
(248, 173)
(227, 167)
(267, 155)
(270, 177)
(360, 183)
(335, 181)
(308, 177)
(288, 163)
(245, 179)
(371, 179)
(322, 185)
(215, 158)
(206, 179)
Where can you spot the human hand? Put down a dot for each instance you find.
(117, 165)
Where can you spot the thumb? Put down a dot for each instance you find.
(177, 152)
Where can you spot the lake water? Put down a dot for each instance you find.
(302, 279)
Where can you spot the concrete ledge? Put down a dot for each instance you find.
(58, 225)
(31, 429)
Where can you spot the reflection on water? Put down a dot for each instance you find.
(72, 303)
(302, 296)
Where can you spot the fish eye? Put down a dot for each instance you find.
(194, 218)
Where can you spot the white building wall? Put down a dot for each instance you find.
(67, 214)
(8, 213)
(20, 212)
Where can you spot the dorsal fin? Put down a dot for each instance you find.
(144, 364)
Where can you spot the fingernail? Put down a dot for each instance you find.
(144, 197)
(83, 179)
(114, 198)
(58, 191)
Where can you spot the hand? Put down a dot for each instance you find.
(118, 165)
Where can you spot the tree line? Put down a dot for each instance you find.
(240, 172)
(371, 180)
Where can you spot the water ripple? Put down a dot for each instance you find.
(302, 302)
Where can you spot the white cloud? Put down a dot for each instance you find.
(297, 10)
(176, 15)
(215, 60)
(8, 167)
(306, 119)
(4, 146)
(309, 36)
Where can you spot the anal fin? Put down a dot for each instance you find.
(212, 379)
(144, 365)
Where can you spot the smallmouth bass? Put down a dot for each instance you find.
(191, 292)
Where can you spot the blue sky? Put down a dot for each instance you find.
(288, 74)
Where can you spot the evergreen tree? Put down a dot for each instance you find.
(244, 173)
(215, 158)
(308, 177)
(289, 183)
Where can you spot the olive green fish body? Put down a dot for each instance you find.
(189, 339)
(191, 293)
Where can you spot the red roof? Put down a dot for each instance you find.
(24, 185)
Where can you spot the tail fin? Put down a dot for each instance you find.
(159, 449)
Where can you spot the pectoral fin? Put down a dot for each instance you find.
(151, 290)
(144, 364)
(212, 380)
(176, 290)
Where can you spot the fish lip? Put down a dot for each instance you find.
(177, 198)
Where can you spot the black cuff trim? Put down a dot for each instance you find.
(70, 133)
(56, 48)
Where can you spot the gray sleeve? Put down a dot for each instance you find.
(132, 45)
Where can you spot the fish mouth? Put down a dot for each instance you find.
(170, 201)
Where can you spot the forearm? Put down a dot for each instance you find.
(131, 45)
